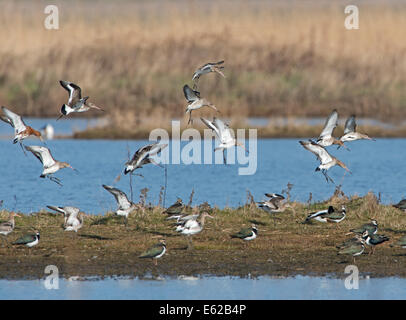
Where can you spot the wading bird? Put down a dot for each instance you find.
(326, 160)
(143, 156)
(274, 204)
(75, 103)
(48, 162)
(326, 137)
(354, 248)
(246, 233)
(21, 130)
(401, 205)
(224, 134)
(370, 228)
(349, 131)
(155, 252)
(29, 240)
(374, 239)
(8, 226)
(195, 227)
(195, 102)
(71, 214)
(207, 68)
(125, 206)
(329, 215)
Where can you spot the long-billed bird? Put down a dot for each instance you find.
(195, 101)
(326, 137)
(349, 131)
(143, 156)
(207, 68)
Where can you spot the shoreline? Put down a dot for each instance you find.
(284, 247)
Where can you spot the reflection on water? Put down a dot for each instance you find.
(374, 164)
(299, 287)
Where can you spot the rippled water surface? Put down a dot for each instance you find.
(298, 287)
(377, 166)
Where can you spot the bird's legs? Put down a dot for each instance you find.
(224, 157)
(22, 147)
(328, 178)
(55, 179)
(156, 262)
(190, 243)
(190, 118)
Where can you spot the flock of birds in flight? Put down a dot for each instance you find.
(187, 222)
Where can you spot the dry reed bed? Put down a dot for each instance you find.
(281, 59)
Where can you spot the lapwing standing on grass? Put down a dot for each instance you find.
(195, 101)
(371, 228)
(326, 137)
(125, 206)
(155, 252)
(224, 134)
(75, 103)
(401, 205)
(354, 248)
(328, 215)
(49, 164)
(21, 130)
(176, 209)
(247, 234)
(7, 227)
(29, 240)
(349, 131)
(143, 156)
(327, 161)
(356, 239)
(374, 239)
(207, 68)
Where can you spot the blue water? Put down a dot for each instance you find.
(376, 166)
(299, 287)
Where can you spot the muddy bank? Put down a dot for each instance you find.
(285, 246)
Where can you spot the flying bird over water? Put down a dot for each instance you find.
(224, 134)
(194, 101)
(349, 131)
(143, 156)
(207, 68)
(326, 137)
(75, 103)
(326, 160)
(49, 163)
(21, 130)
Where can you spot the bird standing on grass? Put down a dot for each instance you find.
(7, 227)
(247, 234)
(155, 252)
(29, 240)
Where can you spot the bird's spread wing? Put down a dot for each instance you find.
(43, 154)
(212, 126)
(120, 196)
(75, 93)
(330, 124)
(319, 151)
(190, 94)
(225, 132)
(14, 119)
(350, 125)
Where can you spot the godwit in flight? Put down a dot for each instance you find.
(21, 130)
(247, 233)
(125, 206)
(326, 160)
(207, 68)
(401, 205)
(224, 134)
(328, 215)
(326, 137)
(49, 163)
(274, 204)
(155, 252)
(349, 131)
(75, 103)
(70, 214)
(143, 156)
(194, 227)
(195, 102)
(8, 226)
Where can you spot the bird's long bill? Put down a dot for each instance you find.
(74, 169)
(219, 72)
(60, 117)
